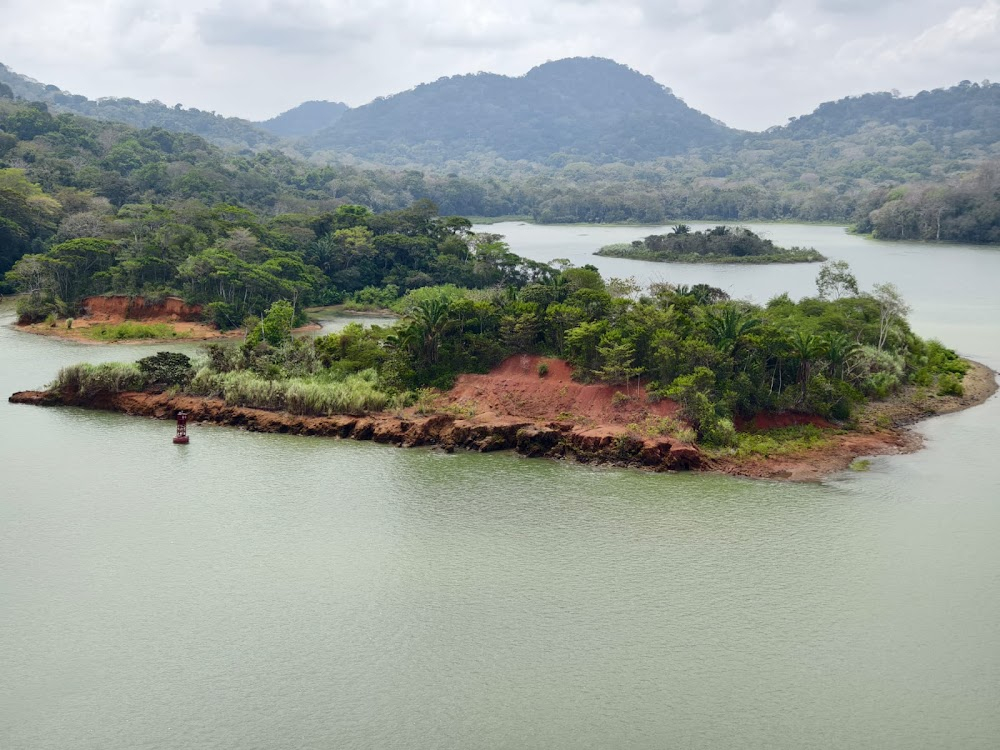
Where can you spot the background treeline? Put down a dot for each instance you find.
(237, 264)
(965, 210)
(67, 177)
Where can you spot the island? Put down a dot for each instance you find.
(720, 244)
(563, 363)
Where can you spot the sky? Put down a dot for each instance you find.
(750, 63)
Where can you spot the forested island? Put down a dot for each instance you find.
(720, 244)
(571, 364)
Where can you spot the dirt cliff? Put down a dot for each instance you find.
(444, 430)
(118, 308)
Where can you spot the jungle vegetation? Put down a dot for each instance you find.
(572, 141)
(721, 359)
(720, 244)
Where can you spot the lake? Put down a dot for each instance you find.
(269, 591)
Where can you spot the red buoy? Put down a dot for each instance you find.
(181, 438)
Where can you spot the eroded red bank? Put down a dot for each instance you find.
(550, 415)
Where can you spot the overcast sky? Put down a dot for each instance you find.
(750, 63)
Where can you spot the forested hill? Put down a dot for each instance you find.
(305, 119)
(231, 132)
(966, 111)
(579, 109)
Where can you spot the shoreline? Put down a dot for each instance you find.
(883, 429)
(198, 333)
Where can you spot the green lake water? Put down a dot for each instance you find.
(266, 591)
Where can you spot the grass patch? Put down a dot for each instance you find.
(779, 442)
(860, 464)
(355, 394)
(130, 330)
(90, 380)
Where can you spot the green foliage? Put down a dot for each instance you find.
(86, 380)
(780, 441)
(355, 394)
(543, 369)
(949, 385)
(130, 330)
(719, 245)
(166, 368)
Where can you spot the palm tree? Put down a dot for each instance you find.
(806, 348)
(430, 319)
(729, 326)
(837, 348)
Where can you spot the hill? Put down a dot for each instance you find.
(579, 109)
(230, 132)
(305, 119)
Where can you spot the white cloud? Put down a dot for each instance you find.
(751, 63)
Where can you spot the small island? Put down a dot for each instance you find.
(721, 244)
(551, 362)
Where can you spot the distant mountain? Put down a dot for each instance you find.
(967, 107)
(305, 119)
(578, 109)
(231, 132)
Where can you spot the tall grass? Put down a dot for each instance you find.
(355, 394)
(91, 380)
(132, 330)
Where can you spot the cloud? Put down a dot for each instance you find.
(287, 26)
(750, 63)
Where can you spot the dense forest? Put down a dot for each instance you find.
(581, 109)
(304, 119)
(840, 163)
(231, 132)
(719, 244)
(719, 359)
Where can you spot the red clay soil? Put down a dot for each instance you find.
(184, 319)
(767, 421)
(514, 408)
(117, 309)
(515, 389)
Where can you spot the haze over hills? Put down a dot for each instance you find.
(578, 109)
(305, 119)
(582, 139)
(229, 132)
(586, 110)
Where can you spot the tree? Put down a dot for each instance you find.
(835, 280)
(429, 320)
(892, 308)
(276, 327)
(805, 348)
(619, 361)
(729, 327)
(166, 368)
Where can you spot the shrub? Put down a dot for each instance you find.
(92, 380)
(166, 368)
(34, 309)
(949, 385)
(132, 330)
(543, 369)
(244, 388)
